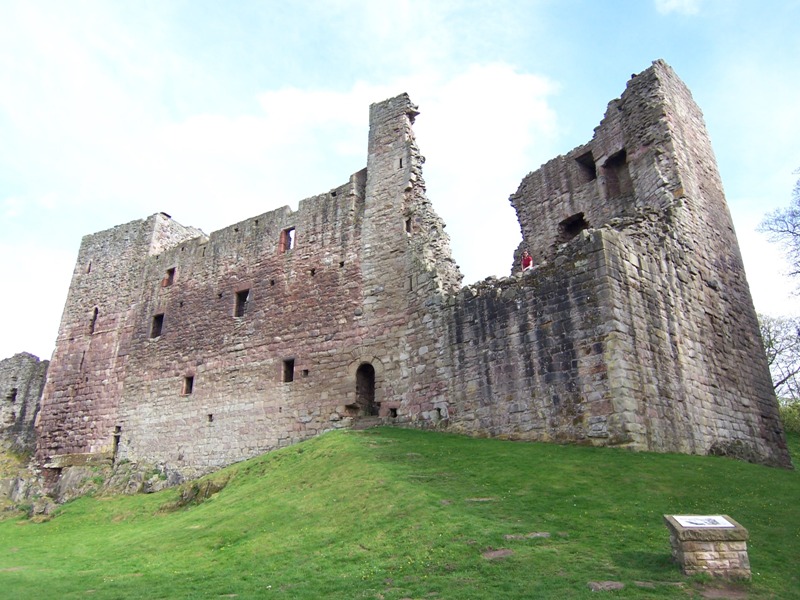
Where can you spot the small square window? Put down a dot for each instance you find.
(157, 326)
(188, 385)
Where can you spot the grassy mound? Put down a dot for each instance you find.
(393, 514)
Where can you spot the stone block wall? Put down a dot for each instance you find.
(21, 381)
(529, 351)
(718, 551)
(84, 382)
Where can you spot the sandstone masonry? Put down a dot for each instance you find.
(637, 328)
(22, 378)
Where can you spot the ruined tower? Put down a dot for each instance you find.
(637, 328)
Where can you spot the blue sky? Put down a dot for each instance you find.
(217, 111)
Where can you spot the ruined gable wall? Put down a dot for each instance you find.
(21, 381)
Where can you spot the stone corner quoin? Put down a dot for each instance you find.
(636, 328)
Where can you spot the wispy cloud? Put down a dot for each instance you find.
(685, 7)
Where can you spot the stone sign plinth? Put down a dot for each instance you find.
(716, 545)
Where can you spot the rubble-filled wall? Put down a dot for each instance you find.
(636, 328)
(21, 381)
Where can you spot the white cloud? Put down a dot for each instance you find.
(685, 7)
(766, 267)
(481, 128)
(35, 282)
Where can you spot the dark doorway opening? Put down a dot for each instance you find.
(365, 390)
(115, 447)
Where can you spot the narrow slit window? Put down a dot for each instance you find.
(93, 322)
(242, 298)
(158, 325)
(287, 240)
(408, 225)
(117, 438)
(188, 385)
(288, 370)
(169, 278)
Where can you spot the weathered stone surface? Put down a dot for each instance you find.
(605, 586)
(22, 378)
(496, 554)
(636, 328)
(719, 552)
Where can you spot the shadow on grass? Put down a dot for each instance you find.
(647, 564)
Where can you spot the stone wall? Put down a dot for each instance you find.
(636, 328)
(21, 381)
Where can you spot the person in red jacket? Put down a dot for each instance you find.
(527, 261)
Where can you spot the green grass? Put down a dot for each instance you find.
(392, 513)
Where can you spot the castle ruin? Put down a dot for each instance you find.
(636, 329)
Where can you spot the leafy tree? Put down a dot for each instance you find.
(783, 226)
(781, 337)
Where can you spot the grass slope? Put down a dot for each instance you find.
(392, 513)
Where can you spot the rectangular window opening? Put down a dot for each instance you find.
(618, 176)
(188, 385)
(571, 226)
(169, 278)
(241, 303)
(157, 326)
(408, 225)
(12, 395)
(287, 240)
(288, 370)
(210, 418)
(587, 167)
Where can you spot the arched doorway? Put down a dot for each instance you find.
(365, 390)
